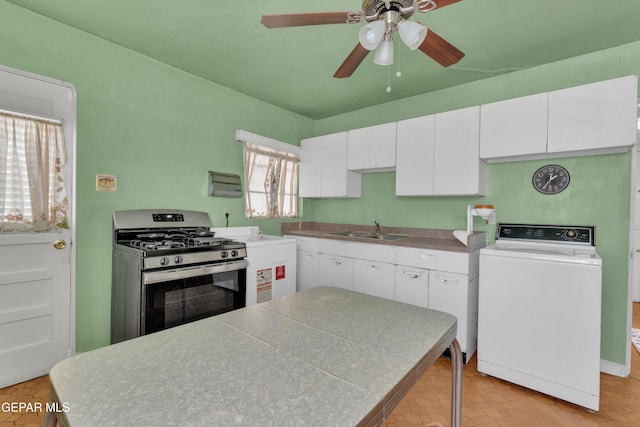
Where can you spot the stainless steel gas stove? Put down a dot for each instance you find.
(170, 269)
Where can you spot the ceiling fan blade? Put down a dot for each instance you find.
(352, 62)
(440, 50)
(302, 19)
(443, 3)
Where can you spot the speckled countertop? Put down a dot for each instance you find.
(322, 357)
(423, 238)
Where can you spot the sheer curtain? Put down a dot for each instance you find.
(271, 180)
(32, 194)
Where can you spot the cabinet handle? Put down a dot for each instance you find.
(411, 274)
(336, 261)
(427, 256)
(373, 266)
(447, 280)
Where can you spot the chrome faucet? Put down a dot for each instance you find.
(377, 227)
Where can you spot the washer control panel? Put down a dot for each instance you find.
(579, 235)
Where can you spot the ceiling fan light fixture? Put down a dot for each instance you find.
(384, 53)
(412, 33)
(372, 34)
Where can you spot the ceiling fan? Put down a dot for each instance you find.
(383, 19)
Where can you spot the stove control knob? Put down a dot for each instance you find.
(234, 253)
(223, 254)
(164, 261)
(178, 259)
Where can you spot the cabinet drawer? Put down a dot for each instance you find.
(370, 251)
(310, 244)
(456, 262)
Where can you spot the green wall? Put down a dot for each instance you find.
(160, 130)
(599, 193)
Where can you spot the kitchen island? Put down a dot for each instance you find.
(325, 357)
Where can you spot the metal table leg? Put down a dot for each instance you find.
(456, 383)
(50, 420)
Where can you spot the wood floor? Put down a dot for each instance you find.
(486, 401)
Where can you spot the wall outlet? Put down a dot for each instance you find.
(225, 211)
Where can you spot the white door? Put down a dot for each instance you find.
(36, 269)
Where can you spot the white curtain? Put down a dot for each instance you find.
(32, 153)
(271, 181)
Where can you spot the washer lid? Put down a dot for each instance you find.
(541, 251)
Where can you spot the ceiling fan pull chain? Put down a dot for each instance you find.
(388, 78)
(398, 73)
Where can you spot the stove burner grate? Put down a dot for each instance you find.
(156, 245)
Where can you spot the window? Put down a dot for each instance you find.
(271, 181)
(32, 194)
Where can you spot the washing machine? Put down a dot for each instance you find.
(539, 310)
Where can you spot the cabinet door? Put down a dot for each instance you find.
(448, 293)
(414, 156)
(310, 174)
(514, 127)
(358, 146)
(374, 278)
(412, 286)
(382, 153)
(372, 148)
(308, 270)
(457, 168)
(598, 115)
(336, 180)
(336, 271)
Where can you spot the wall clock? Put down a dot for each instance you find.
(551, 179)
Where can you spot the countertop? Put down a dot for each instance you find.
(322, 357)
(422, 238)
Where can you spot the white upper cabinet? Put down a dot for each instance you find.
(458, 169)
(310, 173)
(593, 116)
(372, 149)
(589, 119)
(439, 155)
(414, 156)
(323, 168)
(514, 127)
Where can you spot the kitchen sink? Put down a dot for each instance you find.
(367, 235)
(388, 236)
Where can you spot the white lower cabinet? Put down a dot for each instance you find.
(308, 262)
(456, 294)
(441, 280)
(374, 278)
(336, 271)
(412, 285)
(308, 270)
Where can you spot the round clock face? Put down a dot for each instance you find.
(550, 179)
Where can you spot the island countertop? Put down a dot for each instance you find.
(325, 356)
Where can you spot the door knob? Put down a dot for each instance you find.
(59, 244)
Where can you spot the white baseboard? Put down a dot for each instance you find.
(616, 369)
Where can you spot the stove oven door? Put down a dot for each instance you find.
(178, 296)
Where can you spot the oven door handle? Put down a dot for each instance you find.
(186, 272)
